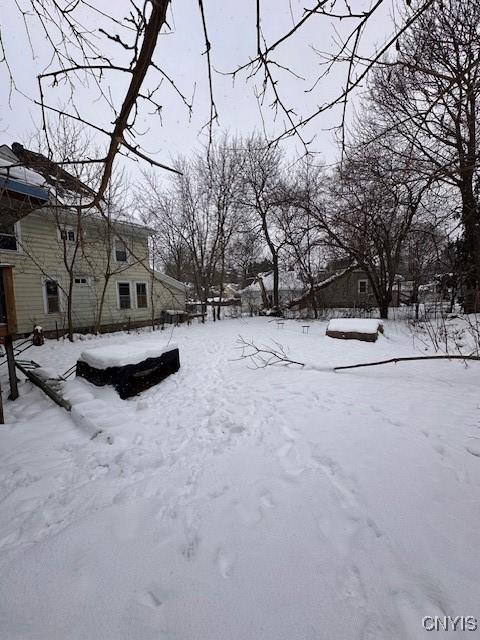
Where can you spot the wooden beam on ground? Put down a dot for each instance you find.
(2, 420)
(41, 384)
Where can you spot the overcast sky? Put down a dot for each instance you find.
(231, 26)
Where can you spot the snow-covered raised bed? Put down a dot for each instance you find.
(130, 368)
(355, 329)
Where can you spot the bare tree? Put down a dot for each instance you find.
(424, 245)
(304, 241)
(220, 168)
(94, 47)
(368, 215)
(262, 194)
(245, 249)
(429, 93)
(68, 193)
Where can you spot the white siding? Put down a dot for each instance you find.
(41, 256)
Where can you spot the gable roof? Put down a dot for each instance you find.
(287, 281)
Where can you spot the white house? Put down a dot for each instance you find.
(290, 287)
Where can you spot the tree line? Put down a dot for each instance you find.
(405, 191)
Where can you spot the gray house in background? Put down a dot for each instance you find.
(350, 291)
(353, 290)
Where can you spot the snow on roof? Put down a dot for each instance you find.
(169, 281)
(65, 187)
(36, 170)
(356, 325)
(120, 355)
(22, 174)
(287, 281)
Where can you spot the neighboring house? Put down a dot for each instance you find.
(113, 266)
(350, 291)
(290, 287)
(230, 295)
(353, 290)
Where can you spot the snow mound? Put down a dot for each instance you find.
(355, 325)
(120, 355)
(95, 417)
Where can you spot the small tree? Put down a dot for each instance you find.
(261, 195)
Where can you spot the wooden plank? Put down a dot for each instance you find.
(8, 345)
(7, 276)
(41, 384)
(2, 420)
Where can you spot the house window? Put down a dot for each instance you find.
(52, 296)
(363, 286)
(81, 281)
(120, 251)
(141, 289)
(124, 301)
(8, 236)
(68, 234)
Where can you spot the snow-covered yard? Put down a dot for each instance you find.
(239, 504)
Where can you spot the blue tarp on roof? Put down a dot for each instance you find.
(28, 190)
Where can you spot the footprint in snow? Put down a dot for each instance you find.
(225, 564)
(474, 450)
(289, 459)
(266, 500)
(248, 515)
(153, 597)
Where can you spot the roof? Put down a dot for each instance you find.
(59, 181)
(169, 281)
(287, 281)
(19, 183)
(38, 178)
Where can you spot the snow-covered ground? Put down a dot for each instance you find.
(239, 504)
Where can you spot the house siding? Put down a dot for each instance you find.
(40, 255)
(344, 292)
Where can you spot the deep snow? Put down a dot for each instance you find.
(359, 325)
(121, 354)
(237, 504)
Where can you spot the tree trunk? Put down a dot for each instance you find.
(383, 307)
(69, 309)
(275, 296)
(98, 321)
(471, 257)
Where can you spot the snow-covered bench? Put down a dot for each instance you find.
(355, 329)
(130, 368)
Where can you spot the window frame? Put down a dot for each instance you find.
(127, 282)
(81, 284)
(18, 237)
(136, 283)
(359, 283)
(59, 293)
(115, 243)
(67, 229)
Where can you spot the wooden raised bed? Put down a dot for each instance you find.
(129, 378)
(355, 329)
